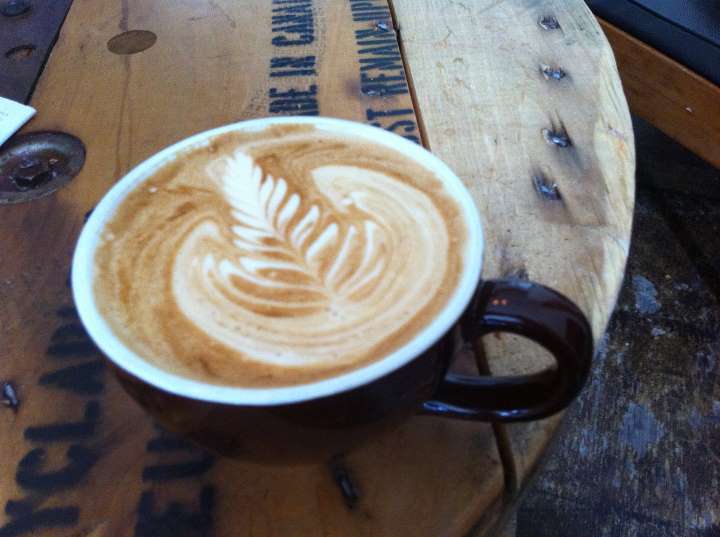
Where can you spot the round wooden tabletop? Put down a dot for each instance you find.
(522, 99)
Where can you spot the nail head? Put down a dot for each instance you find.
(554, 73)
(548, 22)
(559, 139)
(546, 189)
(9, 396)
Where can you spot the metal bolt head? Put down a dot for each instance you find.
(36, 164)
(14, 8)
(31, 173)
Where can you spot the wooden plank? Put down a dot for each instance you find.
(26, 40)
(664, 92)
(495, 82)
(103, 469)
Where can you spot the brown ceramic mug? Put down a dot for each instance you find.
(322, 418)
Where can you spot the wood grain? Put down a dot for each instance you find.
(83, 460)
(25, 43)
(557, 215)
(664, 92)
(80, 457)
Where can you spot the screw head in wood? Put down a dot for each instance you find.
(554, 73)
(9, 396)
(557, 138)
(548, 22)
(546, 188)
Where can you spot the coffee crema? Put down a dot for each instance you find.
(278, 257)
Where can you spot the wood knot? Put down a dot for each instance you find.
(548, 22)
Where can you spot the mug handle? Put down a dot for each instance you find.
(540, 314)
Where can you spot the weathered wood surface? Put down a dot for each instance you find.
(639, 451)
(494, 81)
(101, 468)
(26, 40)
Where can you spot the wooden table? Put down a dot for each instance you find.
(521, 99)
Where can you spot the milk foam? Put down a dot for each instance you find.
(276, 258)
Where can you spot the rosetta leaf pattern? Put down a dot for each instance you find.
(276, 233)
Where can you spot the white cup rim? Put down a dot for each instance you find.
(127, 360)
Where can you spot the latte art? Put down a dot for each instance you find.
(279, 257)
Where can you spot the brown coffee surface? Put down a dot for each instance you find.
(278, 257)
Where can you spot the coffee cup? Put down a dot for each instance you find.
(283, 289)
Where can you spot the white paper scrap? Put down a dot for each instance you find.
(12, 116)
